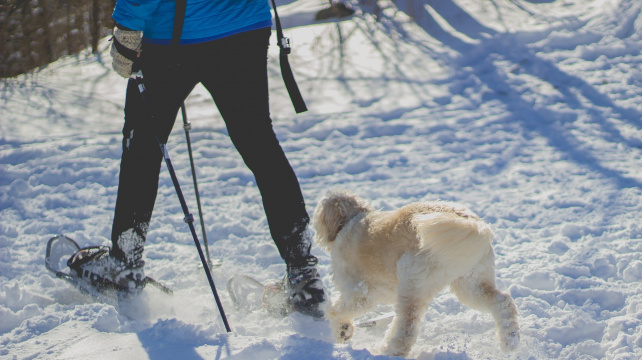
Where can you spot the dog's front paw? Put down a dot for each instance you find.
(345, 332)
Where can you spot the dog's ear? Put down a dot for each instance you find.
(333, 212)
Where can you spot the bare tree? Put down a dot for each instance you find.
(36, 32)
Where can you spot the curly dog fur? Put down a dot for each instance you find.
(405, 257)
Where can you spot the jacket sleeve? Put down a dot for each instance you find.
(134, 13)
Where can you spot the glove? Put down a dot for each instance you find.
(125, 50)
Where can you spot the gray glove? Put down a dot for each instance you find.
(125, 49)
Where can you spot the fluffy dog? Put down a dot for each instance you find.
(406, 257)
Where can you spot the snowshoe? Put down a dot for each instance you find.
(300, 290)
(85, 269)
(249, 294)
(275, 299)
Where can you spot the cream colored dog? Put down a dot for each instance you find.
(406, 257)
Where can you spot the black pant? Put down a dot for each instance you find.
(234, 71)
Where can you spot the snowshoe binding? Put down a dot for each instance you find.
(95, 265)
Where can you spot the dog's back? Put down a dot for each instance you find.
(453, 240)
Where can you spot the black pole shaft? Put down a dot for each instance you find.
(189, 218)
(187, 127)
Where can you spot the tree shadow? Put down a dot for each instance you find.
(472, 43)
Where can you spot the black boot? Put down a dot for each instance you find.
(305, 288)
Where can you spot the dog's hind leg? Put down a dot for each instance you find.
(478, 291)
(403, 331)
(418, 285)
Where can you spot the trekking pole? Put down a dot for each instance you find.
(189, 218)
(187, 126)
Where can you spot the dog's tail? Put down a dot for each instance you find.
(454, 241)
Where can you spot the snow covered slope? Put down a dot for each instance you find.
(527, 111)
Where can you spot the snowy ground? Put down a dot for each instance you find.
(527, 111)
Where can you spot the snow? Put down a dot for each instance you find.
(526, 111)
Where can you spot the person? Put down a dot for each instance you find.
(223, 46)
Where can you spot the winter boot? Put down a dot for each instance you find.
(304, 286)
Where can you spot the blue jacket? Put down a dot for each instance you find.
(205, 20)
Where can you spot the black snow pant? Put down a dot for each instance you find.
(234, 71)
